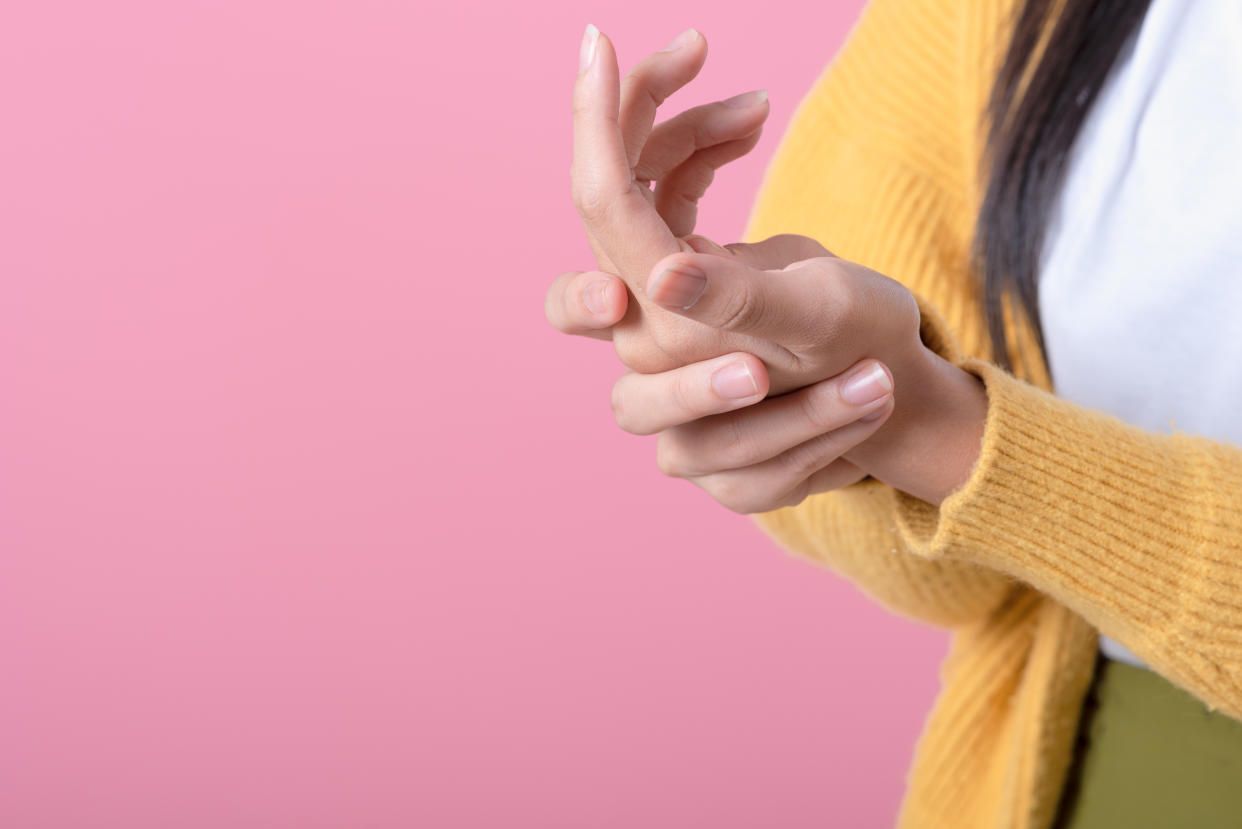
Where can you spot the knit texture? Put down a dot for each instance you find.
(1072, 521)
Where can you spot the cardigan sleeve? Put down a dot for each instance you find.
(872, 166)
(1139, 532)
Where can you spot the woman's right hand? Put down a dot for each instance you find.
(672, 163)
(630, 226)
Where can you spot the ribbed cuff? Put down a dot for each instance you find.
(1138, 531)
(933, 531)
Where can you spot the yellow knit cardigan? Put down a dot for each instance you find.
(1071, 522)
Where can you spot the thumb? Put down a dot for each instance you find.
(728, 294)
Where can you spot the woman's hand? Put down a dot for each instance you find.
(807, 318)
(825, 314)
(631, 228)
(617, 154)
(816, 313)
(822, 315)
(807, 314)
(750, 454)
(679, 156)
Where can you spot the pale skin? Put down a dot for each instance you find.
(770, 371)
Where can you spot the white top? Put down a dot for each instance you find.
(1141, 277)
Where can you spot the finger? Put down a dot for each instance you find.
(586, 303)
(777, 251)
(677, 195)
(674, 141)
(789, 477)
(839, 473)
(649, 84)
(644, 404)
(783, 305)
(623, 222)
(701, 244)
(743, 438)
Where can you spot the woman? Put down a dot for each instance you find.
(997, 218)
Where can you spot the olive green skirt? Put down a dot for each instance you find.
(1151, 755)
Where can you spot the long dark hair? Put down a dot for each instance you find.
(1030, 132)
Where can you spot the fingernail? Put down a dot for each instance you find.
(679, 286)
(747, 99)
(734, 381)
(595, 297)
(587, 52)
(866, 385)
(684, 39)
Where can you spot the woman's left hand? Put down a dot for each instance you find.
(822, 315)
(752, 454)
(813, 313)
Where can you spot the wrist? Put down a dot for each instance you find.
(930, 444)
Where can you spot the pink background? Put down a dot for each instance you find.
(308, 519)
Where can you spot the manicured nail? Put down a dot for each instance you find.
(679, 286)
(866, 385)
(682, 40)
(587, 52)
(746, 99)
(595, 297)
(734, 381)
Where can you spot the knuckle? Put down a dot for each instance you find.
(670, 457)
(620, 412)
(554, 300)
(841, 283)
(669, 146)
(626, 348)
(694, 180)
(725, 490)
(731, 442)
(589, 202)
(707, 124)
(818, 404)
(659, 335)
(806, 459)
(741, 309)
(738, 495)
(804, 246)
(682, 393)
(796, 495)
(663, 350)
(596, 195)
(639, 81)
(684, 134)
(550, 303)
(637, 353)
